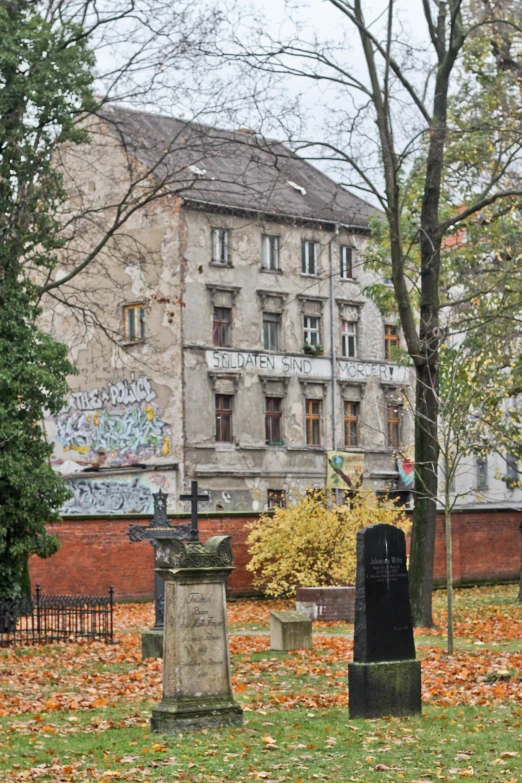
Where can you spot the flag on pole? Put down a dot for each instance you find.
(406, 468)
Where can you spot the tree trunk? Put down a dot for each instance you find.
(449, 575)
(425, 509)
(25, 578)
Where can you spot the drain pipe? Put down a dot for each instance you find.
(333, 346)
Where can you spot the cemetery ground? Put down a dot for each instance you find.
(81, 711)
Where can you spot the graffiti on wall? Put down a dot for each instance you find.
(132, 495)
(120, 419)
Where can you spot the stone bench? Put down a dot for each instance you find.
(329, 604)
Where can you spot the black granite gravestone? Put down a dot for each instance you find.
(383, 627)
(384, 678)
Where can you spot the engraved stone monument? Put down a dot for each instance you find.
(197, 690)
(384, 678)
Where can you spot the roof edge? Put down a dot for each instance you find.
(218, 207)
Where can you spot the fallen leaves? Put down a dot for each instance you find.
(94, 676)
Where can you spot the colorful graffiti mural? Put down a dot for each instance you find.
(120, 420)
(132, 495)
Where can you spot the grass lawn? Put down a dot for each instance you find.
(80, 712)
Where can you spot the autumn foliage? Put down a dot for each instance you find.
(311, 545)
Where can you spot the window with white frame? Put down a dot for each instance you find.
(349, 339)
(309, 257)
(312, 330)
(220, 246)
(346, 262)
(270, 253)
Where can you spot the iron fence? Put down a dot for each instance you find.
(42, 619)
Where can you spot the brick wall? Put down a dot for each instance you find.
(487, 546)
(97, 553)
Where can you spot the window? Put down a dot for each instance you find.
(311, 330)
(482, 472)
(511, 467)
(270, 253)
(349, 339)
(220, 243)
(273, 421)
(134, 321)
(276, 498)
(394, 425)
(313, 422)
(391, 340)
(310, 253)
(223, 418)
(222, 326)
(271, 322)
(346, 262)
(351, 423)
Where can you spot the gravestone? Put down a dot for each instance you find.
(290, 631)
(384, 678)
(197, 689)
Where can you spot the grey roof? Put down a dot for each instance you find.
(236, 170)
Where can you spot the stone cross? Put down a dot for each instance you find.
(160, 527)
(194, 499)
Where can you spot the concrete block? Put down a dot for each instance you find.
(290, 631)
(377, 690)
(151, 644)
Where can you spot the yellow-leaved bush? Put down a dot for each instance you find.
(310, 545)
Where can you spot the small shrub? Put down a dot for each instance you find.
(310, 545)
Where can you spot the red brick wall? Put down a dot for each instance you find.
(97, 553)
(487, 546)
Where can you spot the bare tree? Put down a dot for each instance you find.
(388, 131)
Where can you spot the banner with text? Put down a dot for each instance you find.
(344, 469)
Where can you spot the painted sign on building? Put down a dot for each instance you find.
(121, 419)
(315, 367)
(344, 469)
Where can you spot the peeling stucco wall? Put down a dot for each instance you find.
(152, 402)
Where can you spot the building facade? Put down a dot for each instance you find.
(238, 345)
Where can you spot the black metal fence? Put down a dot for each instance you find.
(42, 619)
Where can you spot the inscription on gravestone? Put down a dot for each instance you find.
(202, 647)
(383, 626)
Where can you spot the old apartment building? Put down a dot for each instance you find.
(229, 338)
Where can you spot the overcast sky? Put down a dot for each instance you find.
(325, 18)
